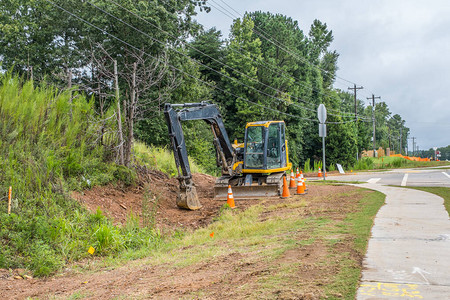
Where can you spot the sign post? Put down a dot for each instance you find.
(322, 116)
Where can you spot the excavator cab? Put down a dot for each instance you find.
(265, 149)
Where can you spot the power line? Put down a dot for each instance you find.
(223, 64)
(355, 88)
(181, 71)
(208, 67)
(173, 67)
(274, 41)
(281, 46)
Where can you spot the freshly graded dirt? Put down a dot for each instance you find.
(231, 276)
(118, 202)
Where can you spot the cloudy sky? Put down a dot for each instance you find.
(397, 49)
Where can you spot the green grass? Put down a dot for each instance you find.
(332, 182)
(161, 159)
(392, 162)
(358, 225)
(443, 192)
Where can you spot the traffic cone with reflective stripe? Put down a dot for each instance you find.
(300, 188)
(320, 172)
(303, 180)
(297, 175)
(292, 181)
(230, 198)
(285, 193)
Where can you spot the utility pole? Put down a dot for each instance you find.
(355, 88)
(401, 136)
(373, 119)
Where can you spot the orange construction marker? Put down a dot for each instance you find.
(292, 183)
(286, 193)
(300, 188)
(230, 198)
(9, 200)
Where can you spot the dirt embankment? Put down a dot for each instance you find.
(156, 187)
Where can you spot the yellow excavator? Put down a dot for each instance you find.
(254, 168)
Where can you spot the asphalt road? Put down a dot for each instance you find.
(401, 177)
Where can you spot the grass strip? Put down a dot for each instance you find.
(358, 226)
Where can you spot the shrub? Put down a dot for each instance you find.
(365, 163)
(307, 167)
(125, 175)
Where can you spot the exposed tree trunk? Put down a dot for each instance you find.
(119, 118)
(130, 119)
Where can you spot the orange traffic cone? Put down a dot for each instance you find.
(320, 173)
(230, 198)
(300, 187)
(303, 180)
(297, 175)
(285, 189)
(292, 181)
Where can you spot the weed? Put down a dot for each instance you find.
(160, 158)
(317, 165)
(149, 208)
(307, 167)
(365, 163)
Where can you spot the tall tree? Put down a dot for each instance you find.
(207, 48)
(240, 78)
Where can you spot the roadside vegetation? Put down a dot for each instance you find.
(49, 147)
(381, 163)
(370, 163)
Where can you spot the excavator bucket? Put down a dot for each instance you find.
(188, 199)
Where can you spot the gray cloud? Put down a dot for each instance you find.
(399, 50)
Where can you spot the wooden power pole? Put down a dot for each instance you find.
(355, 88)
(373, 119)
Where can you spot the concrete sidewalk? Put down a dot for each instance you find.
(408, 255)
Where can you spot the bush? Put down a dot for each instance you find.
(365, 163)
(307, 167)
(44, 260)
(125, 175)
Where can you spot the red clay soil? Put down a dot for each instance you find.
(118, 202)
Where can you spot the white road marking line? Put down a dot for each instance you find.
(405, 178)
(446, 174)
(373, 180)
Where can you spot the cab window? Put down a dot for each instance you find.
(273, 146)
(254, 151)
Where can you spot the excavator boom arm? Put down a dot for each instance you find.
(211, 115)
